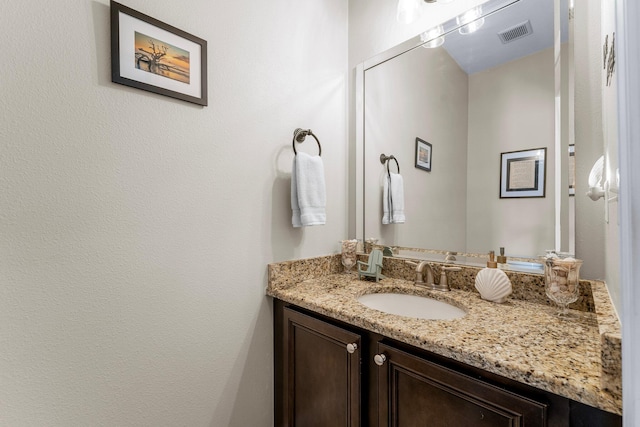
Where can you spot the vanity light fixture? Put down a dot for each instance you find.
(470, 21)
(433, 37)
(409, 10)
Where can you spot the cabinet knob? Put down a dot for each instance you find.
(352, 347)
(380, 359)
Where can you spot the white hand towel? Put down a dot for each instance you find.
(393, 199)
(308, 194)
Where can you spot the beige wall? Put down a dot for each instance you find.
(135, 229)
(422, 94)
(511, 108)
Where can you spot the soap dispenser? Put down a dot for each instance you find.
(502, 260)
(492, 283)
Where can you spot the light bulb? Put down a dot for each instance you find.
(432, 37)
(470, 21)
(408, 11)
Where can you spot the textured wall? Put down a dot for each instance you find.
(135, 229)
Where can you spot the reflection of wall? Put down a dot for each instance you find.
(414, 99)
(589, 145)
(511, 108)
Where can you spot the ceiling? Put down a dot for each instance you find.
(483, 49)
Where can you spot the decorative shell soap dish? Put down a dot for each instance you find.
(493, 285)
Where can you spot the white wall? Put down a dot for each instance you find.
(589, 137)
(610, 132)
(423, 93)
(628, 70)
(511, 108)
(136, 229)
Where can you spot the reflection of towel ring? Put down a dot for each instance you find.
(300, 134)
(384, 159)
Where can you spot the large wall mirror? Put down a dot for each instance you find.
(474, 92)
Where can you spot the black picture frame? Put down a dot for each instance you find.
(424, 152)
(151, 55)
(523, 173)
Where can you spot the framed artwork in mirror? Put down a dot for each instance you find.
(522, 173)
(150, 55)
(423, 155)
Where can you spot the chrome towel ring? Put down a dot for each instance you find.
(300, 134)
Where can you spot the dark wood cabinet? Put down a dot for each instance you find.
(327, 375)
(321, 373)
(413, 391)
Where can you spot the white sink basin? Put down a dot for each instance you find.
(411, 306)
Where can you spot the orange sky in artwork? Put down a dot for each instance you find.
(175, 55)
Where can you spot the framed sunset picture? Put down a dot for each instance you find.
(151, 55)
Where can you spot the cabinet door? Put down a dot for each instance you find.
(321, 373)
(415, 392)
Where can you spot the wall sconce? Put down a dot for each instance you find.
(470, 21)
(433, 37)
(601, 186)
(596, 187)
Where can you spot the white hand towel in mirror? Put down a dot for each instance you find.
(393, 199)
(308, 193)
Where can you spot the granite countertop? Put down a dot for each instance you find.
(520, 340)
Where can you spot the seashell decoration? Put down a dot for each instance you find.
(349, 256)
(493, 285)
(562, 277)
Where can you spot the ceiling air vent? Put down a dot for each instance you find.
(515, 32)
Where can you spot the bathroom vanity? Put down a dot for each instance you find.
(338, 362)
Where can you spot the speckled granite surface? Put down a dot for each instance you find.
(521, 339)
